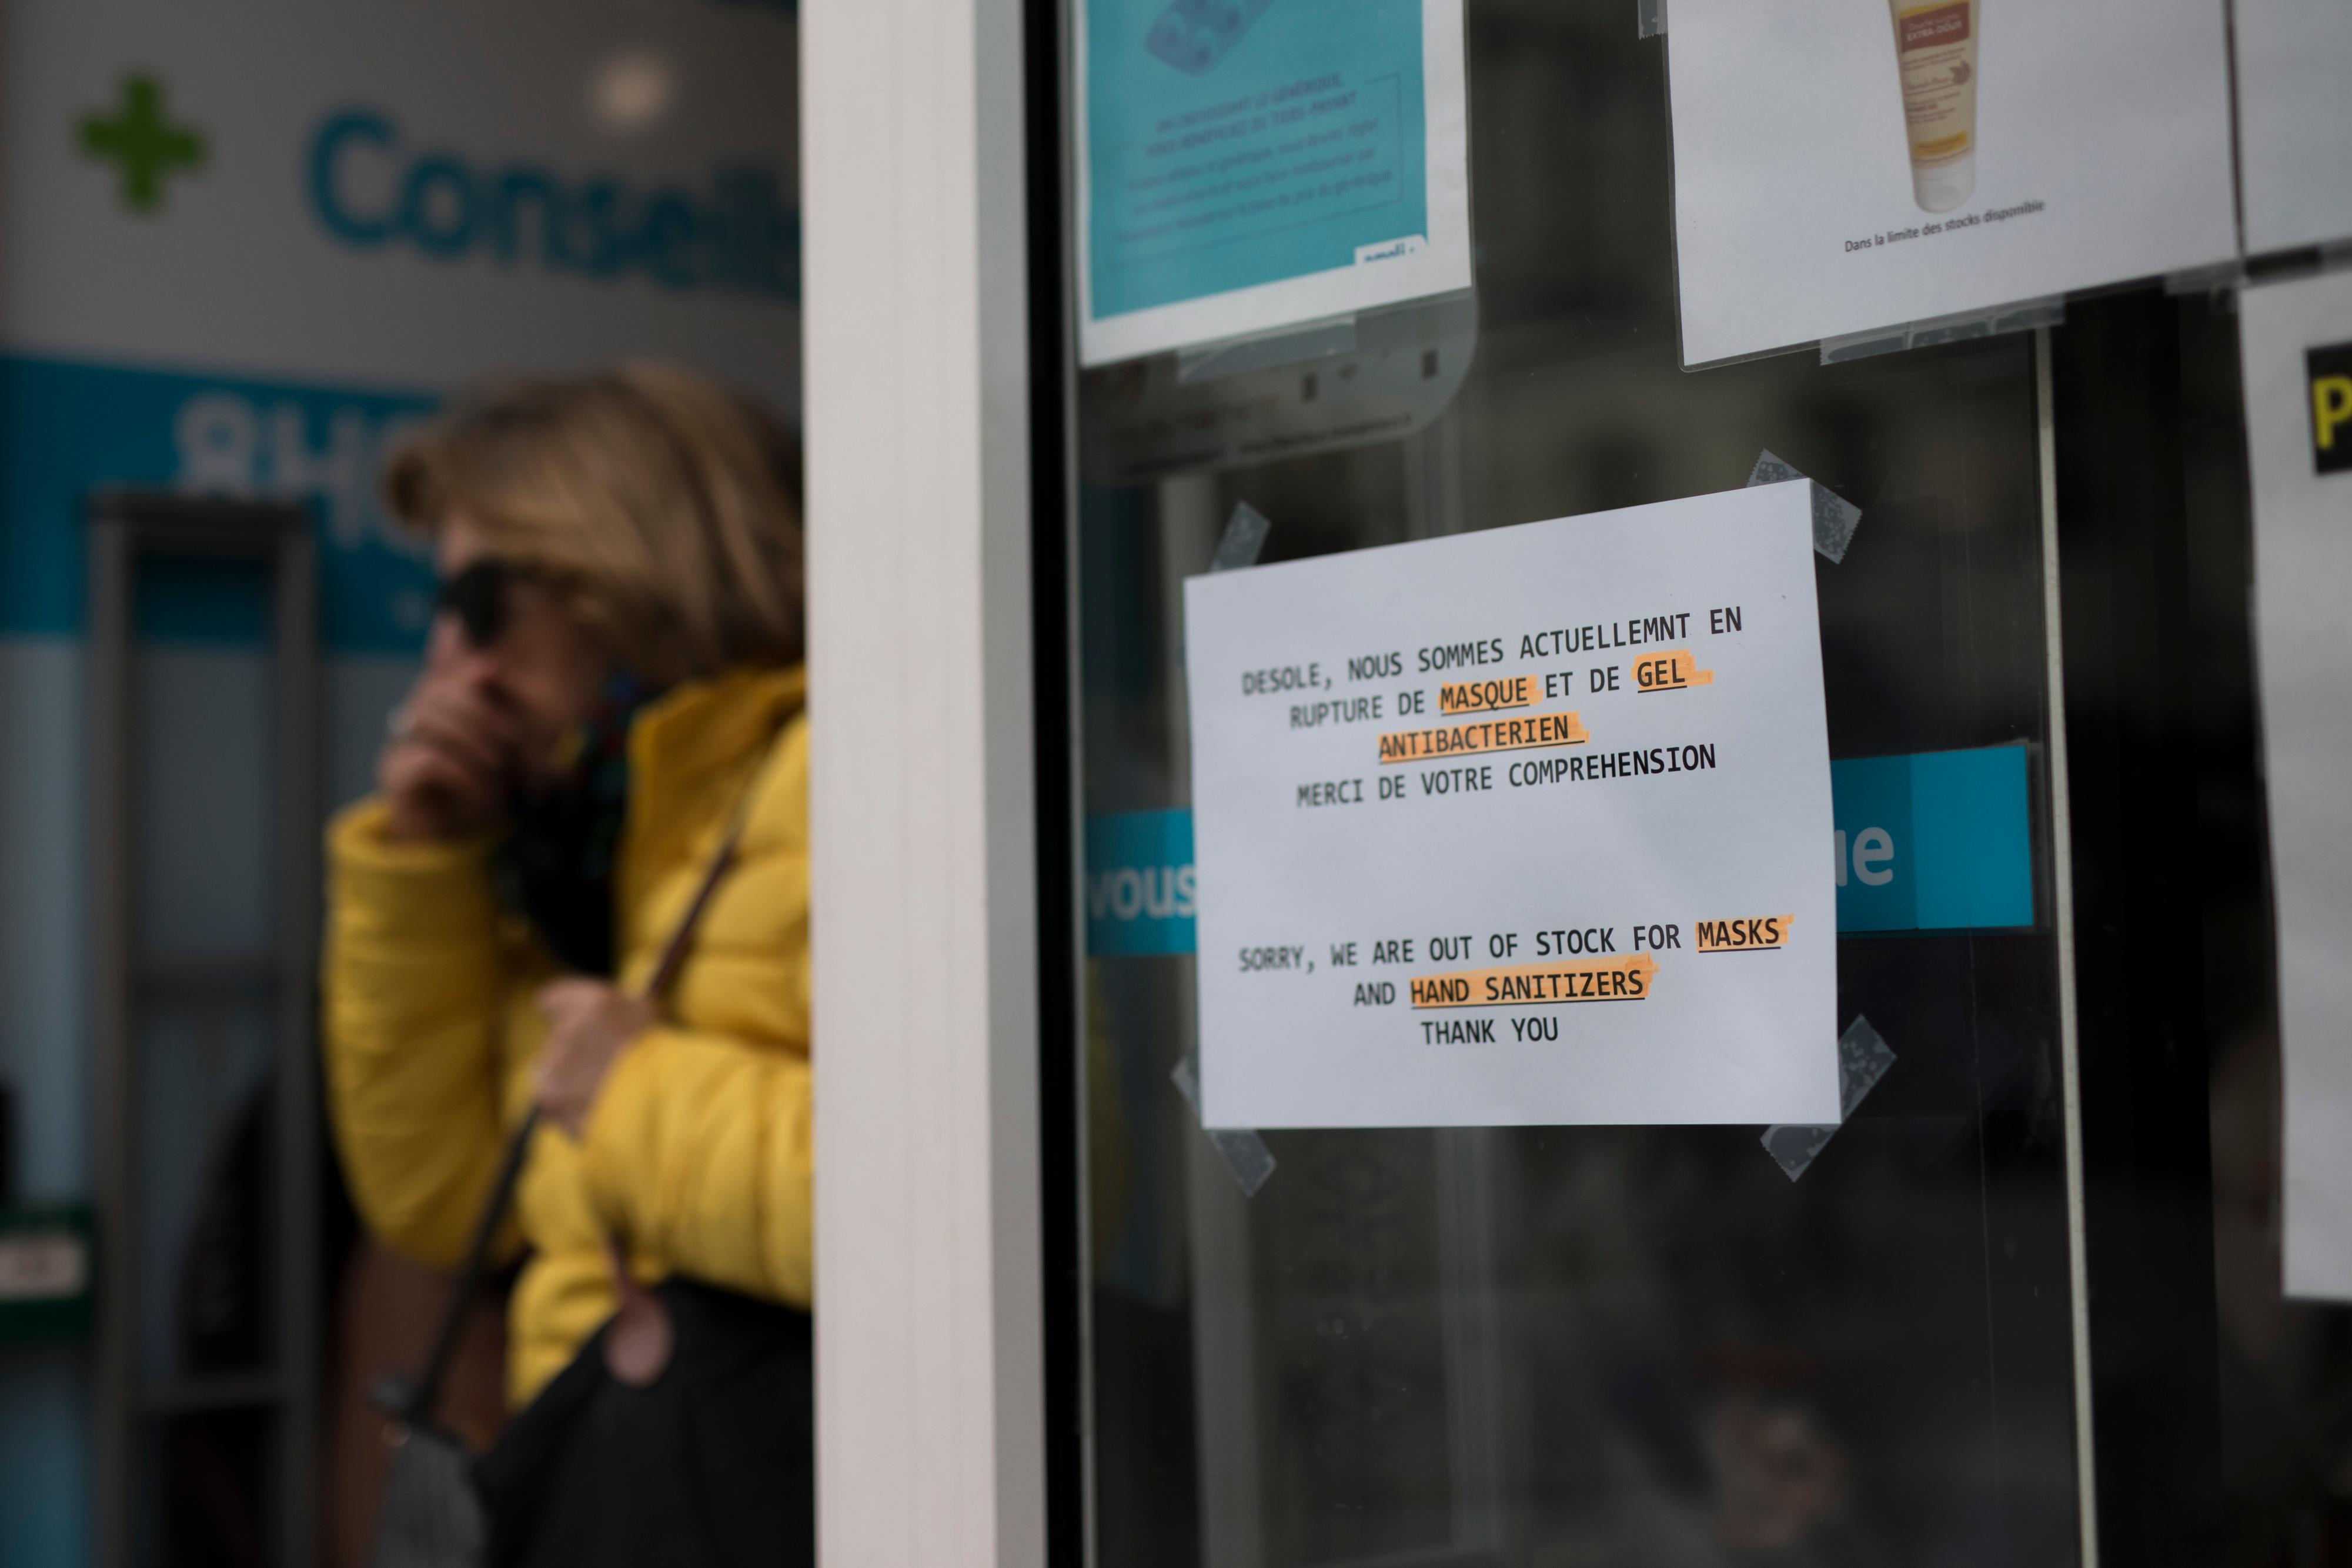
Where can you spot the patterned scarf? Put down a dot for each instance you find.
(555, 869)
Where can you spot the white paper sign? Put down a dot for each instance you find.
(1845, 165)
(2296, 338)
(1518, 827)
(2295, 121)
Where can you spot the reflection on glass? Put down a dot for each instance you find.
(1598, 1345)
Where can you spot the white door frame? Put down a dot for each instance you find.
(929, 1292)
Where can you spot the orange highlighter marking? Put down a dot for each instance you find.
(1487, 735)
(1670, 672)
(1576, 980)
(1750, 935)
(1487, 696)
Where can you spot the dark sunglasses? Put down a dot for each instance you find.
(477, 598)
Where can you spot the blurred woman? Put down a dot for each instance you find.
(612, 688)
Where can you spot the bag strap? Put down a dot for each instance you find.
(410, 1402)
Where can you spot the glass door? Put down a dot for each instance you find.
(1583, 1345)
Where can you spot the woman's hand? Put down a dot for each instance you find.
(588, 1023)
(445, 765)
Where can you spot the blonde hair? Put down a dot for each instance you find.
(667, 507)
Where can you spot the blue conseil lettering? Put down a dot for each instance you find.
(732, 234)
(343, 135)
(437, 206)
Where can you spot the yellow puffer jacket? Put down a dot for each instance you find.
(698, 1152)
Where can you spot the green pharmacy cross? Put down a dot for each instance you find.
(141, 139)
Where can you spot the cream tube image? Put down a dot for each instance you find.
(1936, 50)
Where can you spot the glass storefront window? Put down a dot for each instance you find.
(1573, 1345)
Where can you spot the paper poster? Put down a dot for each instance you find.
(2294, 122)
(1846, 165)
(2296, 338)
(1247, 165)
(1518, 827)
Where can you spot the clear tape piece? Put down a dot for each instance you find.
(2023, 316)
(1244, 1153)
(1245, 536)
(1834, 517)
(1267, 351)
(1863, 1060)
(1649, 19)
(1237, 546)
(2223, 276)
